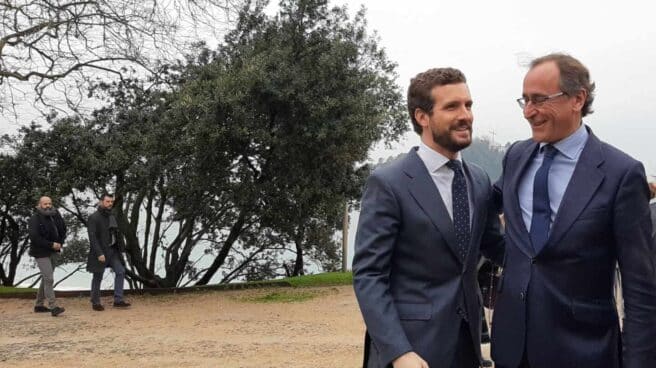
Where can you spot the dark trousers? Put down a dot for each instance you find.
(465, 356)
(114, 262)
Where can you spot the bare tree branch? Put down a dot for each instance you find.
(78, 268)
(65, 44)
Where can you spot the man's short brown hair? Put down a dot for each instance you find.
(419, 92)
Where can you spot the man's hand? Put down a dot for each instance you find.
(409, 360)
(101, 258)
(56, 246)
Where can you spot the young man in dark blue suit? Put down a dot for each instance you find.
(574, 208)
(424, 221)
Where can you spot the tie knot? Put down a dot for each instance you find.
(549, 151)
(454, 165)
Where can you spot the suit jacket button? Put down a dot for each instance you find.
(522, 295)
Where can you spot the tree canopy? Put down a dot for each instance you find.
(249, 156)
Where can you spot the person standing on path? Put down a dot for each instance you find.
(105, 252)
(424, 219)
(47, 232)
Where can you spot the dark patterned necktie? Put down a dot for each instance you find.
(460, 199)
(541, 218)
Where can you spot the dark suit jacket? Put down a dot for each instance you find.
(410, 284)
(100, 242)
(558, 305)
(43, 231)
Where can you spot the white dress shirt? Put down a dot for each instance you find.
(442, 176)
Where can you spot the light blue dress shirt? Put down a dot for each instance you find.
(569, 150)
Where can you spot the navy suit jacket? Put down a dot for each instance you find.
(411, 286)
(558, 305)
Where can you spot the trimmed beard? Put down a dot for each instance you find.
(444, 140)
(48, 212)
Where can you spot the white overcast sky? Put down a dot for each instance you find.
(490, 41)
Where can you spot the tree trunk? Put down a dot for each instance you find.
(235, 232)
(298, 265)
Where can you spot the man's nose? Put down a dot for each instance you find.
(529, 110)
(466, 114)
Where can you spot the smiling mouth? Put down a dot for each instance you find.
(463, 128)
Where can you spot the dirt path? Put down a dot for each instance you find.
(216, 329)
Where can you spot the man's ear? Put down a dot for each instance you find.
(579, 99)
(422, 117)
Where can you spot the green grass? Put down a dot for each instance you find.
(7, 290)
(322, 279)
(300, 291)
(283, 296)
(286, 296)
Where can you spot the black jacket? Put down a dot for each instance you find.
(100, 239)
(44, 231)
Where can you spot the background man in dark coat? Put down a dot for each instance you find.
(47, 233)
(422, 221)
(105, 252)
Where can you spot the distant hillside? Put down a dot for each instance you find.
(487, 155)
(482, 152)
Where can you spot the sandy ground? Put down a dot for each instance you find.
(216, 329)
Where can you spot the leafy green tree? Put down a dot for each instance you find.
(249, 156)
(25, 177)
(285, 113)
(14, 213)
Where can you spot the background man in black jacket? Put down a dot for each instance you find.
(105, 252)
(47, 233)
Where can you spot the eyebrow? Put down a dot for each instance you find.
(457, 102)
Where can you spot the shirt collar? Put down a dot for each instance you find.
(433, 159)
(572, 145)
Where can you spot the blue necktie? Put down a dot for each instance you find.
(541, 219)
(460, 208)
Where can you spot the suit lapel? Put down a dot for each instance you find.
(514, 210)
(585, 181)
(423, 190)
(479, 201)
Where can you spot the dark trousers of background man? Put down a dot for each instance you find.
(114, 262)
(46, 289)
